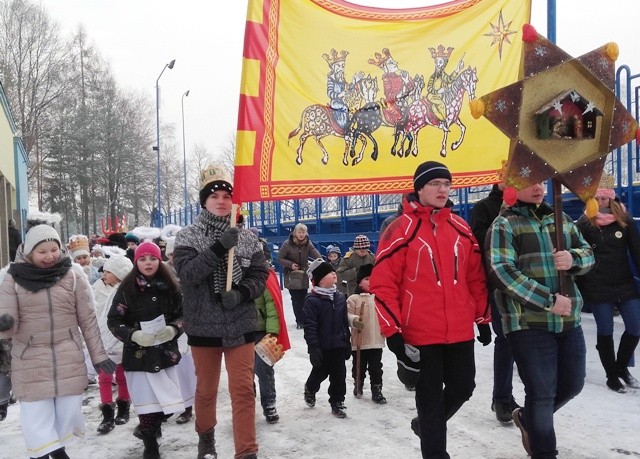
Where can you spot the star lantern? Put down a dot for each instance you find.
(562, 117)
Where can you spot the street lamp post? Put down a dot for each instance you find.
(184, 158)
(157, 147)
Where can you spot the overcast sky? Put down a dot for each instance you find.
(138, 37)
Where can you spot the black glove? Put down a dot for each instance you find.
(485, 334)
(231, 299)
(108, 366)
(230, 237)
(408, 370)
(6, 322)
(395, 343)
(315, 356)
(347, 352)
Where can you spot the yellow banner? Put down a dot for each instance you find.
(339, 99)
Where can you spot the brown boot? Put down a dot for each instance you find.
(207, 445)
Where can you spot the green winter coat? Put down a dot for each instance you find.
(268, 320)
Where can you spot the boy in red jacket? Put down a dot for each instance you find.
(430, 289)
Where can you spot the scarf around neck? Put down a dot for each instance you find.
(326, 291)
(29, 276)
(219, 225)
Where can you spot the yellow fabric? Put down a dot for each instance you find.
(289, 43)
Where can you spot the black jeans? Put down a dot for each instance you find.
(297, 301)
(452, 366)
(502, 359)
(334, 367)
(370, 359)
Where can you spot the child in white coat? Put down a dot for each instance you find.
(365, 335)
(115, 269)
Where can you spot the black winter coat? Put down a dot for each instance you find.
(128, 311)
(611, 279)
(326, 325)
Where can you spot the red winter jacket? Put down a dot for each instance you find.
(428, 280)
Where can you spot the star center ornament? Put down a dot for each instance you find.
(562, 116)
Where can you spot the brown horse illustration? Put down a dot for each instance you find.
(421, 113)
(317, 121)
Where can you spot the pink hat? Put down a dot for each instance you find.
(147, 248)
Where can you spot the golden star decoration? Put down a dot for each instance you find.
(548, 74)
(500, 34)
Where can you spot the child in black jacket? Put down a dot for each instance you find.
(326, 331)
(149, 294)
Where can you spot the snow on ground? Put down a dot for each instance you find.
(598, 424)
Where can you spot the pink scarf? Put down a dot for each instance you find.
(604, 219)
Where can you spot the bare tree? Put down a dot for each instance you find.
(227, 156)
(33, 62)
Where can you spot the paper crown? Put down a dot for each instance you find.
(78, 244)
(334, 56)
(381, 59)
(269, 350)
(607, 181)
(214, 174)
(441, 52)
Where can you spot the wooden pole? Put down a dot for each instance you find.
(232, 250)
(358, 382)
(558, 221)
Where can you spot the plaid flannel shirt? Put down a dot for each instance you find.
(520, 264)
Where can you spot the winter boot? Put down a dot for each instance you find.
(337, 409)
(123, 411)
(357, 389)
(271, 414)
(150, 440)
(207, 445)
(107, 423)
(309, 397)
(59, 454)
(185, 416)
(608, 358)
(503, 410)
(415, 426)
(3, 410)
(137, 432)
(627, 345)
(376, 394)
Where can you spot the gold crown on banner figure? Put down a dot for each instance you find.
(381, 59)
(334, 56)
(79, 242)
(269, 350)
(214, 174)
(441, 52)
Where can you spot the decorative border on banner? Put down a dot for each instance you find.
(271, 58)
(385, 14)
(301, 190)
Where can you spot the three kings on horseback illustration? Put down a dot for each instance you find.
(353, 113)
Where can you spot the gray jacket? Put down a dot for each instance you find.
(195, 263)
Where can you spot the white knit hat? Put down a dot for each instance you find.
(38, 234)
(119, 266)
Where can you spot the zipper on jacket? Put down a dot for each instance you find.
(433, 264)
(455, 261)
(53, 351)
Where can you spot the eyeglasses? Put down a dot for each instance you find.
(436, 184)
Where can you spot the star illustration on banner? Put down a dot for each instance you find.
(561, 144)
(500, 33)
